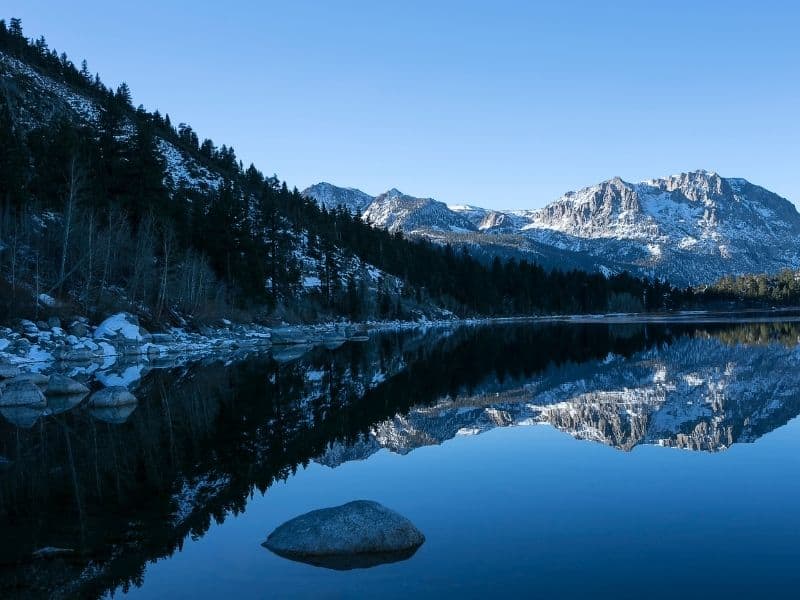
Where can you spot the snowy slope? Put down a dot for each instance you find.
(394, 210)
(331, 196)
(38, 98)
(689, 228)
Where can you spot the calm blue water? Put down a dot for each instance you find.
(530, 511)
(563, 461)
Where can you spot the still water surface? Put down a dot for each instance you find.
(571, 461)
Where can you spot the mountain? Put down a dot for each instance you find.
(393, 210)
(330, 196)
(107, 207)
(690, 228)
(396, 211)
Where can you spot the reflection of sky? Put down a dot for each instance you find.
(529, 511)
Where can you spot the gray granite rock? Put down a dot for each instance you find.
(111, 397)
(358, 534)
(7, 371)
(59, 385)
(21, 393)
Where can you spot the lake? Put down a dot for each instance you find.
(557, 460)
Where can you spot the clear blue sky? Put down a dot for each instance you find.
(500, 104)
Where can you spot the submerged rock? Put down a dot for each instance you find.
(60, 404)
(21, 393)
(23, 417)
(115, 415)
(288, 335)
(111, 397)
(358, 534)
(59, 385)
(35, 378)
(7, 371)
(290, 353)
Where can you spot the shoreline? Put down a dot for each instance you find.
(32, 348)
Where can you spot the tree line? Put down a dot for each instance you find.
(89, 216)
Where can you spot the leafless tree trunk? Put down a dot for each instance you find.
(167, 238)
(76, 179)
(90, 266)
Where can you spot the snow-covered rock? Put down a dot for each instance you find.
(121, 326)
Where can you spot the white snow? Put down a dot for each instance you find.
(118, 324)
(126, 378)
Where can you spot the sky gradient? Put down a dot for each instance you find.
(499, 104)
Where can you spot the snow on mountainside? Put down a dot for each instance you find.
(50, 96)
(395, 211)
(38, 98)
(689, 228)
(330, 196)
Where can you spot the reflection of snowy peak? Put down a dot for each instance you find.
(698, 393)
(690, 228)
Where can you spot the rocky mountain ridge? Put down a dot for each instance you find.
(689, 228)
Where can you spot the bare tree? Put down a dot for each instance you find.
(76, 182)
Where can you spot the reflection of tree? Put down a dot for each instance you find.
(203, 438)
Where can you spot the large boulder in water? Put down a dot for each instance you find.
(21, 393)
(59, 385)
(36, 379)
(114, 415)
(7, 371)
(358, 534)
(112, 397)
(23, 417)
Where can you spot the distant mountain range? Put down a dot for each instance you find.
(690, 228)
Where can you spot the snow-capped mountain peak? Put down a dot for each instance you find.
(393, 193)
(331, 196)
(690, 228)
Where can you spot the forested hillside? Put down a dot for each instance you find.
(782, 289)
(105, 206)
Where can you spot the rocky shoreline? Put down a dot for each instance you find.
(33, 347)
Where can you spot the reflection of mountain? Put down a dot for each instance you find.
(203, 437)
(698, 393)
